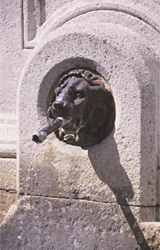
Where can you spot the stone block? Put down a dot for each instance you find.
(6, 200)
(72, 194)
(8, 173)
(44, 223)
(12, 56)
(152, 234)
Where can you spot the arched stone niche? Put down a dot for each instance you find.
(79, 189)
(129, 154)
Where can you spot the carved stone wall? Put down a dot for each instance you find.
(70, 198)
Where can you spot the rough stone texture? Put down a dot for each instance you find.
(147, 11)
(120, 39)
(8, 174)
(7, 185)
(41, 223)
(152, 234)
(143, 16)
(12, 57)
(6, 200)
(8, 135)
(58, 4)
(121, 57)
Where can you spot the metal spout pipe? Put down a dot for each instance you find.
(44, 132)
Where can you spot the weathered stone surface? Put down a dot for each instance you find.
(120, 160)
(119, 39)
(60, 224)
(66, 176)
(8, 174)
(6, 200)
(8, 135)
(12, 56)
(147, 11)
(7, 185)
(152, 234)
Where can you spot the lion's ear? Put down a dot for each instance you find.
(98, 82)
(101, 83)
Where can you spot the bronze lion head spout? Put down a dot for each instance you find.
(84, 108)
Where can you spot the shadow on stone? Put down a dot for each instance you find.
(115, 176)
